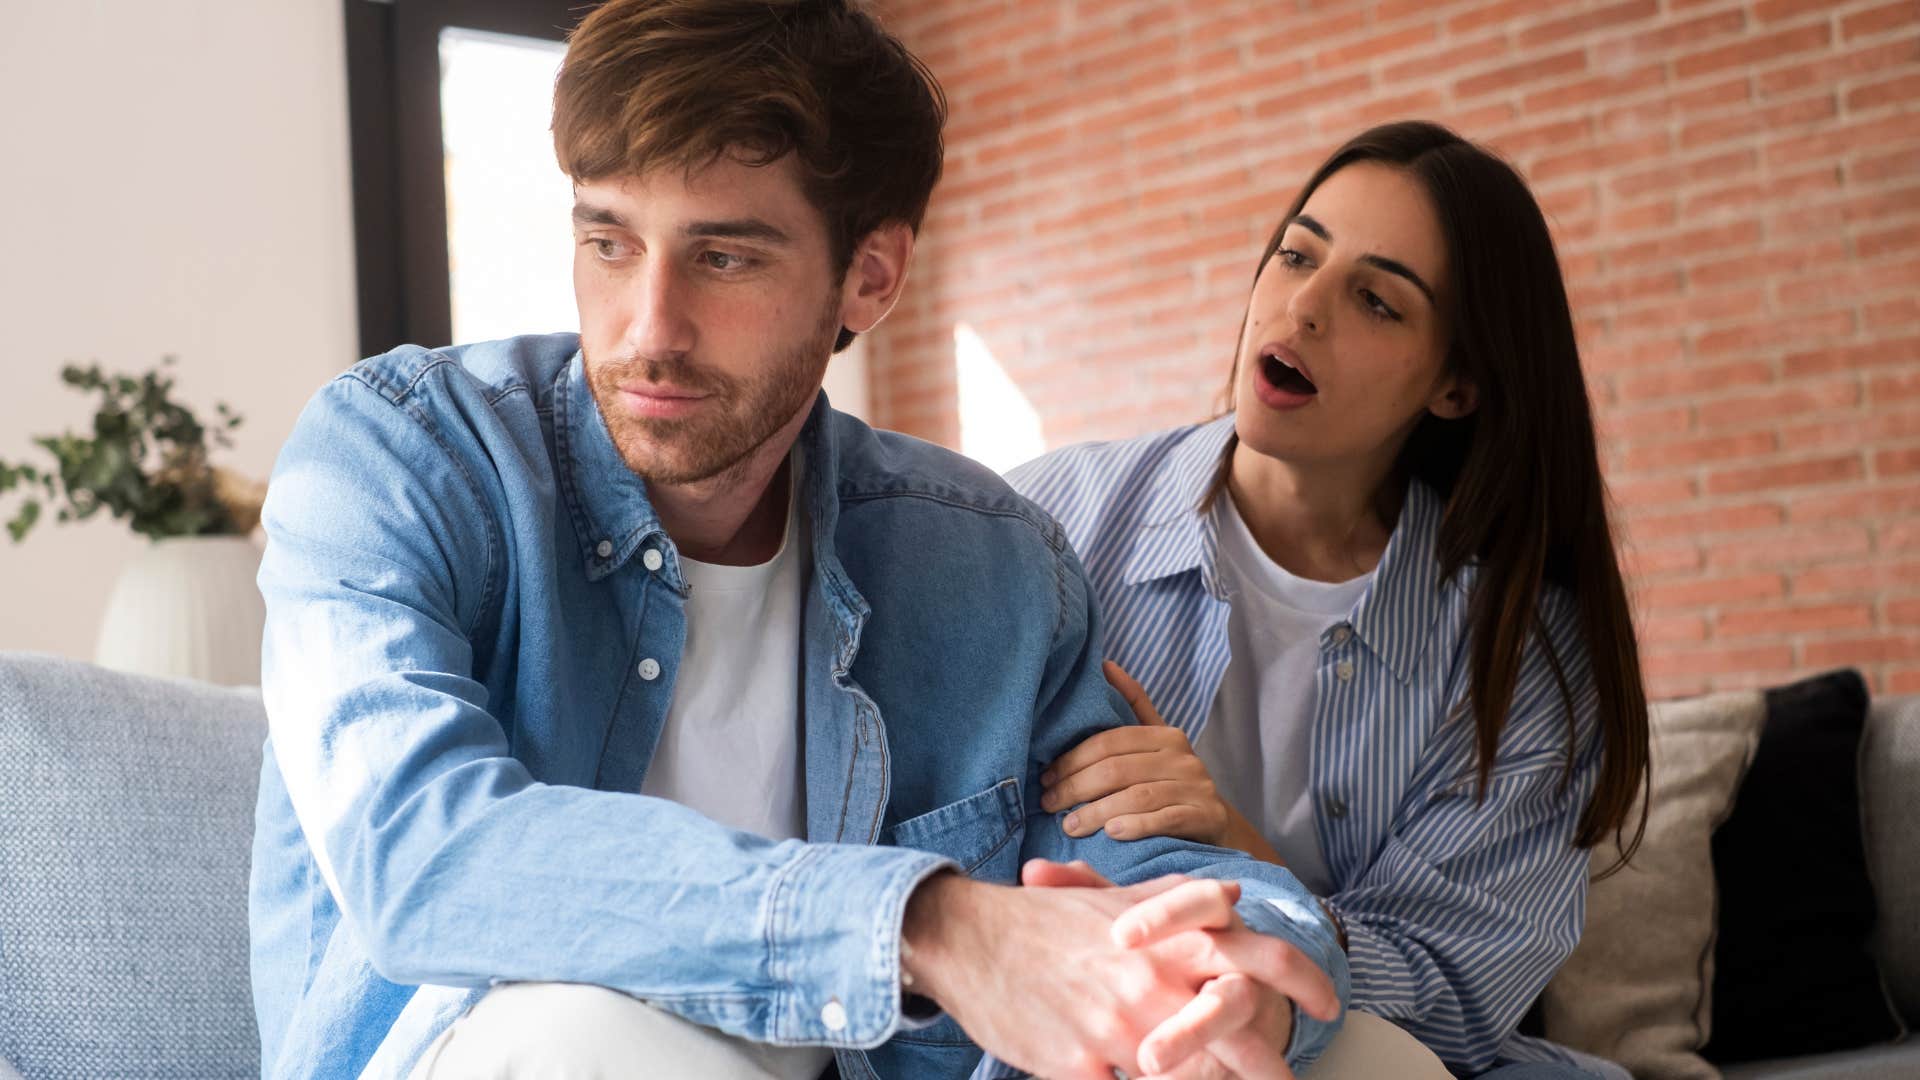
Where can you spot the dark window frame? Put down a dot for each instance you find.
(398, 159)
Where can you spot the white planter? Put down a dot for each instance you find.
(187, 607)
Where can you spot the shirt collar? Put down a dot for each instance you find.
(1394, 618)
(1173, 536)
(612, 516)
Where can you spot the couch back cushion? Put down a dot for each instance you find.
(1890, 807)
(126, 819)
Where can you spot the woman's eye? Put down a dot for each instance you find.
(1292, 258)
(1378, 306)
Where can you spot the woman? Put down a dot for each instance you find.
(1378, 605)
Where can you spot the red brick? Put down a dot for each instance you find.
(1780, 405)
(1902, 92)
(1745, 197)
(1881, 19)
(1663, 40)
(1711, 592)
(1671, 629)
(1372, 48)
(1456, 58)
(1904, 612)
(1886, 389)
(1794, 260)
(1724, 519)
(1873, 245)
(1899, 163)
(1754, 50)
(1782, 621)
(1647, 562)
(1558, 66)
(1798, 547)
(1879, 649)
(1830, 70)
(1773, 11)
(1902, 681)
(1850, 357)
(1903, 462)
(1770, 120)
(1653, 490)
(1687, 452)
(1786, 475)
(1718, 661)
(1495, 14)
(1600, 88)
(1891, 314)
(1843, 139)
(1695, 380)
(1856, 281)
(1686, 174)
(1549, 32)
(1770, 333)
(1871, 577)
(1880, 500)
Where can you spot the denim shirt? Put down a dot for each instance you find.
(474, 618)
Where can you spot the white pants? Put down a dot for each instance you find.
(564, 1031)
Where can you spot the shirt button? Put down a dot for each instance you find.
(651, 559)
(1344, 669)
(649, 669)
(834, 1016)
(1341, 634)
(1336, 808)
(603, 549)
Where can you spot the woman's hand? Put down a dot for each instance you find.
(1144, 781)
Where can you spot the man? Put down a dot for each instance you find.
(629, 705)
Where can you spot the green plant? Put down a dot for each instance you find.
(147, 461)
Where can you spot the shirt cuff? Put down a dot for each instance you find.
(1306, 927)
(833, 942)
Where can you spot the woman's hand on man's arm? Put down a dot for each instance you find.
(1145, 781)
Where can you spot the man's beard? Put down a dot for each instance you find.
(738, 416)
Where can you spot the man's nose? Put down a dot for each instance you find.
(660, 323)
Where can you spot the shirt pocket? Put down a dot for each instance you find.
(972, 832)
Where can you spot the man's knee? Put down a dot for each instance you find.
(536, 1031)
(1369, 1047)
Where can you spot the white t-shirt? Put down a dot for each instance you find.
(731, 747)
(1259, 731)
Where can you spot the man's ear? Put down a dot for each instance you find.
(875, 276)
(1456, 397)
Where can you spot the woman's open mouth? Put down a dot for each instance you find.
(1283, 384)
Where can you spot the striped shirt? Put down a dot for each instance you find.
(1458, 911)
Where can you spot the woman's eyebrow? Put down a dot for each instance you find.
(1391, 266)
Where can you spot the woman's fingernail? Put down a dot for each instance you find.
(1072, 822)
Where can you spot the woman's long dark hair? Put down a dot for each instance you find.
(1525, 503)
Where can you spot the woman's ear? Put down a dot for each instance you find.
(875, 276)
(1456, 397)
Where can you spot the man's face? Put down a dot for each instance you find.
(708, 310)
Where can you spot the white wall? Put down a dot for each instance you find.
(173, 179)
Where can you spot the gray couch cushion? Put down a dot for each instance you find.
(1899, 1061)
(1890, 805)
(126, 818)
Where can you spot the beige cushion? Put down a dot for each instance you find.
(1637, 989)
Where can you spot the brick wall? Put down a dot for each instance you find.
(1734, 186)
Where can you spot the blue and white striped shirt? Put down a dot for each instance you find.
(1458, 911)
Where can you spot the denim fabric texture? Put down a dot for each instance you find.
(468, 661)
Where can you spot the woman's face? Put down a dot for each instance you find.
(1344, 345)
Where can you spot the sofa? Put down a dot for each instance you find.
(126, 810)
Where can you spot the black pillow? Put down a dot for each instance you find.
(1794, 971)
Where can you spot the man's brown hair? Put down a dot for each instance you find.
(652, 83)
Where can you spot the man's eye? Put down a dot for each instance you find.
(720, 260)
(605, 248)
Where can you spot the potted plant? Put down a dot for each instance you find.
(187, 605)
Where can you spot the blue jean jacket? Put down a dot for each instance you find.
(460, 619)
